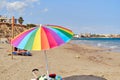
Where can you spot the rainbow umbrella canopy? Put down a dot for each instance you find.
(43, 37)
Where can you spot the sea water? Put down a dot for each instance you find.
(112, 44)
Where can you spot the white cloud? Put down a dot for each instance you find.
(45, 10)
(31, 0)
(16, 6)
(21, 7)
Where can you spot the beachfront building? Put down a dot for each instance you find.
(89, 35)
(76, 36)
(5, 19)
(85, 35)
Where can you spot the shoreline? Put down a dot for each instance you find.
(67, 60)
(110, 44)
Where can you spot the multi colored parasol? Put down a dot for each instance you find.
(43, 37)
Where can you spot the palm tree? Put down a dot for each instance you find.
(20, 20)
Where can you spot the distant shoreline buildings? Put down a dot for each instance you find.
(89, 35)
(5, 19)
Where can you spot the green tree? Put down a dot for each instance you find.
(30, 25)
(20, 20)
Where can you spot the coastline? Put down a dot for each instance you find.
(111, 44)
(67, 60)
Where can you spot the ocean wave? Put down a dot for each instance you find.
(114, 47)
(99, 44)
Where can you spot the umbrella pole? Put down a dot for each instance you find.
(46, 60)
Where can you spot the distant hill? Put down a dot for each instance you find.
(5, 29)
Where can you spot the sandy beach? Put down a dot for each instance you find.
(71, 61)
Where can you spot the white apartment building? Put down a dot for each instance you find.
(5, 19)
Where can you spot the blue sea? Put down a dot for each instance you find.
(110, 43)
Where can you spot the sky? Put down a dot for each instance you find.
(81, 16)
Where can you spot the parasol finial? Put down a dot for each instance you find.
(40, 25)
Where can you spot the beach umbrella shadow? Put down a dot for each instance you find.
(84, 77)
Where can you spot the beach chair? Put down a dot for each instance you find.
(44, 77)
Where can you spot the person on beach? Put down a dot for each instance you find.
(21, 52)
